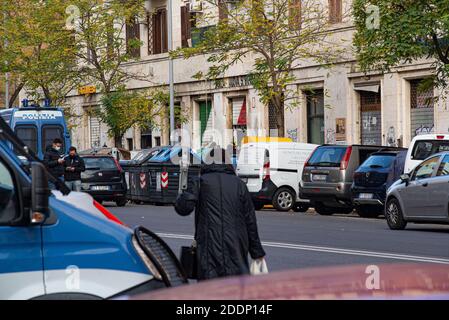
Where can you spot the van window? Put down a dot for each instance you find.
(253, 155)
(327, 156)
(28, 135)
(50, 133)
(425, 148)
(8, 200)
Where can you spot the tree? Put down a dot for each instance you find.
(37, 49)
(123, 109)
(102, 46)
(280, 35)
(390, 33)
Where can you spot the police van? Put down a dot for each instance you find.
(38, 126)
(52, 249)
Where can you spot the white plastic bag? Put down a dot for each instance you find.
(258, 266)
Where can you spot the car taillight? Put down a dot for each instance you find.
(266, 171)
(440, 137)
(106, 213)
(344, 163)
(117, 164)
(306, 164)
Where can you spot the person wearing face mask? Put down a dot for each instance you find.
(74, 165)
(54, 159)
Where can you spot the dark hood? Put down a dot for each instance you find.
(218, 168)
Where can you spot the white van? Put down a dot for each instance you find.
(272, 172)
(424, 146)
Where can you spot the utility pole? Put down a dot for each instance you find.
(6, 74)
(170, 71)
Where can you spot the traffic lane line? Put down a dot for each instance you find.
(385, 255)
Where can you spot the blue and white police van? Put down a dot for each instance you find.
(50, 249)
(38, 126)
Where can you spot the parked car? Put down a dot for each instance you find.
(327, 176)
(272, 171)
(372, 180)
(53, 249)
(118, 153)
(420, 196)
(423, 146)
(104, 179)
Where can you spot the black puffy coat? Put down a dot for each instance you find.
(226, 226)
(51, 158)
(76, 162)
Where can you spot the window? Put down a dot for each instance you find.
(425, 169)
(186, 20)
(28, 134)
(133, 38)
(105, 163)
(425, 148)
(335, 11)
(421, 109)
(443, 170)
(327, 156)
(8, 199)
(50, 133)
(157, 35)
(381, 161)
(294, 14)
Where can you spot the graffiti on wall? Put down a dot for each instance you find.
(424, 129)
(391, 137)
(293, 134)
(330, 136)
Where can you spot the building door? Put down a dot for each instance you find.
(206, 122)
(370, 114)
(239, 114)
(421, 109)
(94, 131)
(315, 117)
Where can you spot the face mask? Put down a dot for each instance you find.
(57, 148)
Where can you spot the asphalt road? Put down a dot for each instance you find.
(298, 240)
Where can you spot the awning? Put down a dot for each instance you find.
(370, 87)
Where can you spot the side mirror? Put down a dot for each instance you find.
(405, 178)
(40, 193)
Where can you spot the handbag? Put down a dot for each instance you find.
(258, 267)
(189, 261)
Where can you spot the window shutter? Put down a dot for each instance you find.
(335, 11)
(156, 33)
(295, 14)
(185, 24)
(222, 10)
(164, 30)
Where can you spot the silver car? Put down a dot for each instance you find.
(422, 195)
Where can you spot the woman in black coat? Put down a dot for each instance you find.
(226, 227)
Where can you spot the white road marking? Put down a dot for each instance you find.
(365, 253)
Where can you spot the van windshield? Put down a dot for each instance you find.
(425, 148)
(327, 156)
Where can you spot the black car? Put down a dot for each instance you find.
(104, 179)
(372, 180)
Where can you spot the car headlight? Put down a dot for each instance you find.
(151, 267)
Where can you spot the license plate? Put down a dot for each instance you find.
(100, 188)
(319, 177)
(366, 196)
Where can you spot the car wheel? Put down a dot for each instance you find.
(284, 199)
(394, 216)
(258, 205)
(301, 207)
(323, 210)
(368, 211)
(121, 202)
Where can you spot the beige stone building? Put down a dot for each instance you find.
(345, 105)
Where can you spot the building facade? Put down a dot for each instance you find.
(336, 105)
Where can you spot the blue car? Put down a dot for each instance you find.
(38, 126)
(50, 249)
